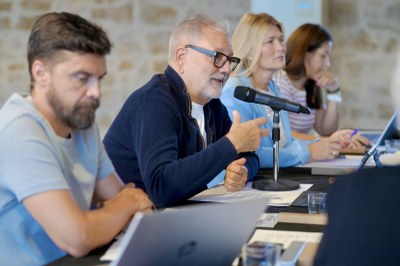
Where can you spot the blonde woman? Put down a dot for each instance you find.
(259, 41)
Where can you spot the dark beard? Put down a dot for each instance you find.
(82, 115)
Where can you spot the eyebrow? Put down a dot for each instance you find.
(103, 75)
(87, 73)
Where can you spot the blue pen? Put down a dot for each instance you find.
(353, 133)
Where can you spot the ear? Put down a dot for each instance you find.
(39, 72)
(181, 58)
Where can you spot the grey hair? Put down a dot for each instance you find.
(191, 29)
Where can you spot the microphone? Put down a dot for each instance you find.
(250, 95)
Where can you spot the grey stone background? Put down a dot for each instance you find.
(366, 41)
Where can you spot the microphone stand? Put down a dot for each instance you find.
(378, 163)
(276, 184)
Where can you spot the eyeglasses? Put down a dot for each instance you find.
(219, 58)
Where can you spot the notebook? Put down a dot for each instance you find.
(203, 234)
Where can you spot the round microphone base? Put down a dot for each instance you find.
(279, 185)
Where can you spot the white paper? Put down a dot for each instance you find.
(267, 220)
(273, 198)
(347, 161)
(285, 237)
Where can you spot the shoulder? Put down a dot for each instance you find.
(274, 88)
(19, 115)
(233, 82)
(156, 94)
(283, 81)
(380, 184)
(374, 179)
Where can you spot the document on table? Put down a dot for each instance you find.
(267, 220)
(345, 161)
(273, 198)
(285, 237)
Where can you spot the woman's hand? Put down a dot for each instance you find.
(327, 81)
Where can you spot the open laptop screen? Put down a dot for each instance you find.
(391, 131)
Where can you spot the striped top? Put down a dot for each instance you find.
(302, 123)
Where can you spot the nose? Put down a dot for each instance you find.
(226, 68)
(281, 46)
(94, 88)
(327, 62)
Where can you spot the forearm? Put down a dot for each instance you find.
(182, 178)
(328, 122)
(303, 136)
(74, 230)
(99, 228)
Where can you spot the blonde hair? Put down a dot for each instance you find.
(248, 39)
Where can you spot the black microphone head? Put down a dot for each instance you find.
(245, 94)
(305, 110)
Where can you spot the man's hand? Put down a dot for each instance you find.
(236, 175)
(133, 197)
(246, 136)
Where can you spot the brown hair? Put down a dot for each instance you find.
(307, 38)
(53, 32)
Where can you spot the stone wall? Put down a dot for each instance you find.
(366, 34)
(366, 42)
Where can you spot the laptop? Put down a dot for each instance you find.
(203, 234)
(391, 131)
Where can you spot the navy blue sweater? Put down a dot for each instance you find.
(156, 143)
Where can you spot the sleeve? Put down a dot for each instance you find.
(170, 175)
(28, 161)
(252, 164)
(292, 154)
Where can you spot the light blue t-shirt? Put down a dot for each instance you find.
(33, 159)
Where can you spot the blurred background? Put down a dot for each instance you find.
(366, 37)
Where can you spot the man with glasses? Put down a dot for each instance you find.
(173, 135)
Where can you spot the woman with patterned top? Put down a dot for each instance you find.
(306, 79)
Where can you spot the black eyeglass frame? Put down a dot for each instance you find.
(233, 61)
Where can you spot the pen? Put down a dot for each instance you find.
(359, 141)
(353, 133)
(314, 140)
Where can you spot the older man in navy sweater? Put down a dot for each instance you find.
(173, 135)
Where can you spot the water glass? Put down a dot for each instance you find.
(316, 202)
(261, 253)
